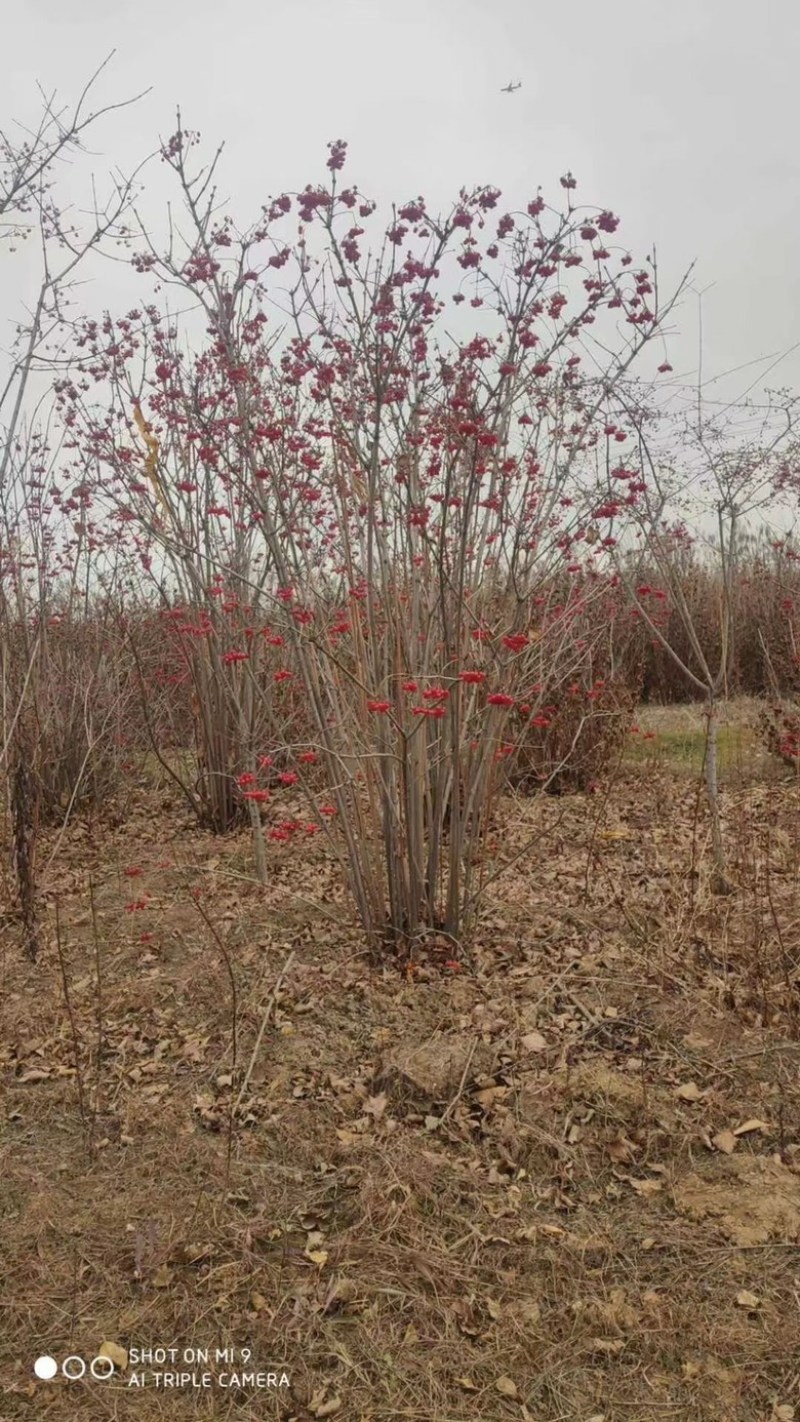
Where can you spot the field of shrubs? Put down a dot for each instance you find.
(398, 903)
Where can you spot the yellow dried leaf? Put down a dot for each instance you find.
(152, 444)
(467, 1384)
(746, 1299)
(506, 1387)
(115, 1353)
(489, 1095)
(646, 1187)
(689, 1091)
(724, 1141)
(752, 1125)
(318, 1257)
(162, 1278)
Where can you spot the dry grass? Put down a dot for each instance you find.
(544, 1230)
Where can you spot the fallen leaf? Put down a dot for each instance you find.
(646, 1187)
(318, 1407)
(533, 1042)
(689, 1091)
(162, 1278)
(36, 1074)
(340, 1291)
(747, 1300)
(696, 1042)
(376, 1106)
(621, 1149)
(467, 1384)
(752, 1125)
(506, 1387)
(115, 1354)
(487, 1097)
(318, 1257)
(258, 1302)
(724, 1141)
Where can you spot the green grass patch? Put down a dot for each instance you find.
(683, 748)
(181, 762)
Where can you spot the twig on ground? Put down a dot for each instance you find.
(262, 1029)
(451, 1107)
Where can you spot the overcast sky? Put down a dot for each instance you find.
(682, 117)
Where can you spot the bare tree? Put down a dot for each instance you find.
(32, 210)
(727, 469)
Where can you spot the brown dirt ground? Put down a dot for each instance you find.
(516, 1191)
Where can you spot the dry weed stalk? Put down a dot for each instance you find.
(25, 818)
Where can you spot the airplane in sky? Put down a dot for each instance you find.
(511, 88)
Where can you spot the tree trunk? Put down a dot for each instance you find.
(720, 882)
